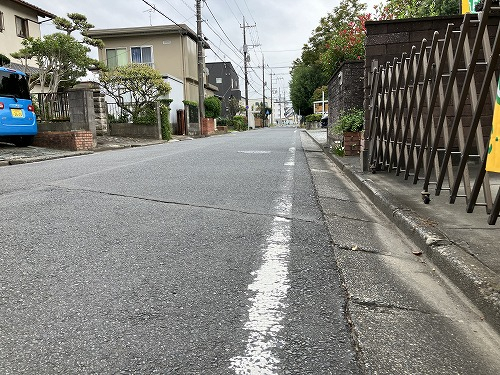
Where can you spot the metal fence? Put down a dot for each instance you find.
(116, 114)
(431, 112)
(52, 107)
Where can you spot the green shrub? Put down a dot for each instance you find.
(212, 107)
(351, 120)
(240, 123)
(223, 121)
(146, 116)
(314, 117)
(166, 131)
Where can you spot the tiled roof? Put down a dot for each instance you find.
(40, 11)
(26, 69)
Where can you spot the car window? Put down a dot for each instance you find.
(14, 84)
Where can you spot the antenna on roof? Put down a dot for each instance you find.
(150, 11)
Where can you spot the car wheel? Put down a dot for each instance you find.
(23, 140)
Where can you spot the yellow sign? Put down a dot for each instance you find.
(468, 6)
(493, 159)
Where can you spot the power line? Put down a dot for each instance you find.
(164, 15)
(231, 9)
(186, 19)
(220, 25)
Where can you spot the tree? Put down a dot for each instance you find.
(77, 22)
(61, 58)
(314, 69)
(305, 79)
(346, 12)
(347, 44)
(234, 107)
(398, 9)
(318, 93)
(140, 84)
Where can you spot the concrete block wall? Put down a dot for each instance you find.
(134, 130)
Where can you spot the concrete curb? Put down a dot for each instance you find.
(476, 281)
(44, 158)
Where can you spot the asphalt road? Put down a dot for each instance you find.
(198, 257)
(239, 254)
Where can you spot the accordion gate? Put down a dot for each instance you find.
(431, 111)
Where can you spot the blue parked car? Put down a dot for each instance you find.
(17, 115)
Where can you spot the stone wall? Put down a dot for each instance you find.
(82, 113)
(345, 89)
(101, 113)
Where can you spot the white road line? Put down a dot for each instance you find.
(270, 288)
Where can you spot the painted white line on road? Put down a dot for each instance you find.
(254, 152)
(270, 286)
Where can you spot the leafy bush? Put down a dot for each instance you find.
(315, 117)
(351, 120)
(166, 131)
(237, 122)
(223, 121)
(146, 115)
(240, 123)
(212, 107)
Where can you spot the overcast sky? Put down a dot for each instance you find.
(281, 27)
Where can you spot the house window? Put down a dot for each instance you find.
(218, 80)
(22, 27)
(142, 55)
(116, 57)
(2, 27)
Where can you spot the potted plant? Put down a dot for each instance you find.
(350, 125)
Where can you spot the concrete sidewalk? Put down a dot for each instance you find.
(462, 245)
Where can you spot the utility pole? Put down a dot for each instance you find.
(271, 121)
(246, 59)
(279, 101)
(201, 68)
(263, 94)
(245, 66)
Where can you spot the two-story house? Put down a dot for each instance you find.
(18, 21)
(170, 49)
(223, 75)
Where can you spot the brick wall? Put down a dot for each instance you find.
(208, 126)
(79, 140)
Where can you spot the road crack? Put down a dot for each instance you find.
(190, 205)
